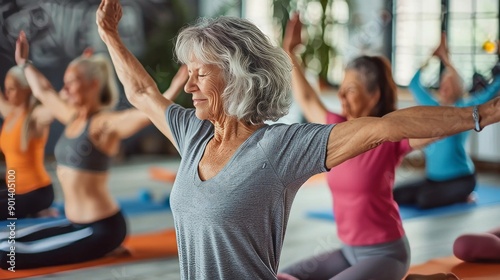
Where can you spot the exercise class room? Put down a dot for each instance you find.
(250, 139)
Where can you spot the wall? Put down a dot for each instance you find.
(59, 31)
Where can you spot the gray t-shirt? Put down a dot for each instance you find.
(232, 226)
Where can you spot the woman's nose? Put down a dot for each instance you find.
(190, 86)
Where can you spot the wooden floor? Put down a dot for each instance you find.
(429, 237)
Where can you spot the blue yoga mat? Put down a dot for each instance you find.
(129, 207)
(486, 195)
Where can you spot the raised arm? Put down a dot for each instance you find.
(177, 84)
(420, 93)
(352, 138)
(128, 122)
(40, 86)
(140, 88)
(309, 101)
(486, 94)
(5, 107)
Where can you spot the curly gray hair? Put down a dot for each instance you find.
(257, 74)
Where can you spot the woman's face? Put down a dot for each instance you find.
(355, 99)
(77, 89)
(15, 93)
(206, 84)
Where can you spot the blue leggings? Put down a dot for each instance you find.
(387, 261)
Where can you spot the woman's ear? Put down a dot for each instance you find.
(375, 99)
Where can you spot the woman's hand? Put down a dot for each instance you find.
(292, 34)
(22, 49)
(88, 52)
(108, 16)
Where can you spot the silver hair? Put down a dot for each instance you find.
(18, 74)
(99, 67)
(257, 74)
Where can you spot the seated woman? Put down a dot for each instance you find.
(22, 140)
(95, 225)
(450, 173)
(373, 241)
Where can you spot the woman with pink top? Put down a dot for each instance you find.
(368, 220)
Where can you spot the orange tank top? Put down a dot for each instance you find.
(30, 173)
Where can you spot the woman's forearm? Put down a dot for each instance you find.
(4, 106)
(135, 79)
(351, 138)
(37, 81)
(427, 122)
(309, 101)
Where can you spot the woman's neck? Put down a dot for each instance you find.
(230, 129)
(86, 112)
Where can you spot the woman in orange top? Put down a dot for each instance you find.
(27, 189)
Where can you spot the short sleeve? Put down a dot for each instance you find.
(297, 151)
(183, 123)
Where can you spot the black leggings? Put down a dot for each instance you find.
(62, 242)
(429, 194)
(27, 204)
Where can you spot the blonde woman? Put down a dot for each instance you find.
(27, 189)
(95, 225)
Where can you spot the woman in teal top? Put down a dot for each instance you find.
(450, 173)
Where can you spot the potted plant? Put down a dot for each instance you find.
(318, 21)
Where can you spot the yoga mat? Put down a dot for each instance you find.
(162, 174)
(466, 271)
(486, 195)
(141, 246)
(129, 206)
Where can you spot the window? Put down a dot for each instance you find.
(336, 31)
(417, 28)
(471, 24)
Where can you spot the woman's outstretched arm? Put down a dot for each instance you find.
(351, 138)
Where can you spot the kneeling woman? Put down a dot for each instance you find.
(22, 140)
(95, 225)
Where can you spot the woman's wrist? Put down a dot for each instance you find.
(109, 35)
(23, 63)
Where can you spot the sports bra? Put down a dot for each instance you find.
(81, 153)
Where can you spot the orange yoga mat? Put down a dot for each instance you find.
(466, 271)
(162, 174)
(141, 246)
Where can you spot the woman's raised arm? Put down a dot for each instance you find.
(140, 88)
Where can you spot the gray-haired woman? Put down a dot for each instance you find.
(238, 176)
